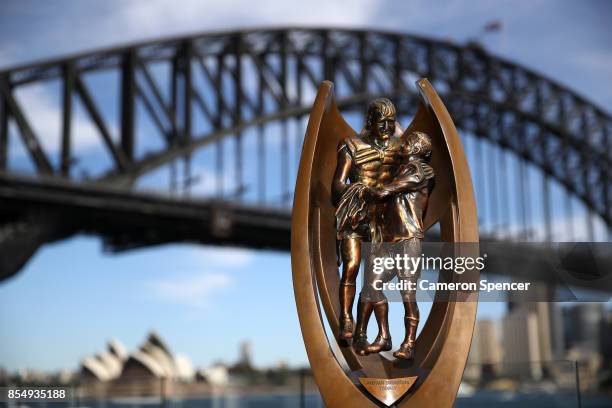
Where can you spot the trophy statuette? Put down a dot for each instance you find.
(382, 185)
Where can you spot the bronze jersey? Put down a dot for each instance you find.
(403, 214)
(373, 165)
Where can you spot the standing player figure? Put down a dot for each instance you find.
(405, 199)
(364, 160)
(364, 179)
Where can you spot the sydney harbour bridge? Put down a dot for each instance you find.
(197, 138)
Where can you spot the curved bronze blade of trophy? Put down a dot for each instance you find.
(444, 343)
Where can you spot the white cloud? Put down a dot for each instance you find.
(578, 224)
(560, 227)
(225, 257)
(194, 290)
(152, 17)
(120, 22)
(45, 116)
(204, 183)
(207, 180)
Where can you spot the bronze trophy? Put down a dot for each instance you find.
(380, 185)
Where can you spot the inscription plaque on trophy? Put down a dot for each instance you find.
(387, 390)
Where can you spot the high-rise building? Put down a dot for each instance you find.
(549, 321)
(473, 369)
(556, 331)
(520, 345)
(606, 340)
(490, 348)
(583, 323)
(245, 354)
(485, 355)
(542, 312)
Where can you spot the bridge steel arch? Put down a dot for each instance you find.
(239, 79)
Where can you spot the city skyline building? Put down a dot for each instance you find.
(520, 345)
(583, 326)
(490, 346)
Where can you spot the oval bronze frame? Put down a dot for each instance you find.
(444, 342)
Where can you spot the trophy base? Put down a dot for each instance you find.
(387, 390)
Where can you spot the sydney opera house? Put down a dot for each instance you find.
(151, 369)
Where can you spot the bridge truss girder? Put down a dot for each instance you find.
(537, 118)
(235, 80)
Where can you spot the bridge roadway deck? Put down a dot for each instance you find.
(38, 210)
(126, 219)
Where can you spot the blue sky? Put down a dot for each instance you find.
(71, 297)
